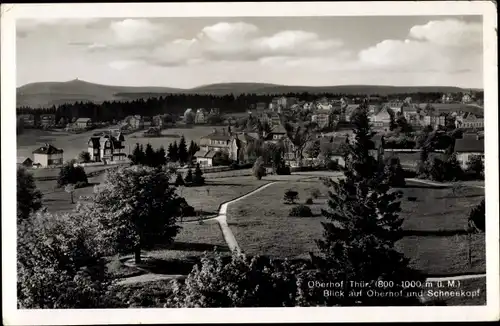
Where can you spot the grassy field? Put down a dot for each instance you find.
(73, 144)
(435, 238)
(209, 197)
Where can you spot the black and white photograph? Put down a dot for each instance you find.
(316, 156)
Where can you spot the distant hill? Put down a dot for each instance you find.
(45, 94)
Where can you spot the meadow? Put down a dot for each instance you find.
(434, 239)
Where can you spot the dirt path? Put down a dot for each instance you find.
(440, 184)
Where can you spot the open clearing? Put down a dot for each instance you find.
(435, 239)
(73, 144)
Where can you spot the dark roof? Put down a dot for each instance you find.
(95, 141)
(279, 129)
(218, 136)
(48, 149)
(21, 160)
(83, 120)
(205, 154)
(469, 145)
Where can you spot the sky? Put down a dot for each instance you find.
(194, 51)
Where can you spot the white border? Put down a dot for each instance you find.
(12, 316)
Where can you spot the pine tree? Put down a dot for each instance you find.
(174, 155)
(137, 156)
(149, 156)
(363, 225)
(182, 151)
(198, 178)
(188, 180)
(160, 158)
(178, 180)
(170, 152)
(193, 148)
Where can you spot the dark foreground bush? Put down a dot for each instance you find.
(283, 170)
(301, 211)
(309, 201)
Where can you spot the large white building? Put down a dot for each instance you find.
(48, 155)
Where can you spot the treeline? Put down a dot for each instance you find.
(152, 104)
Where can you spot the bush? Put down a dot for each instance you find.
(71, 174)
(301, 211)
(198, 179)
(290, 196)
(333, 165)
(315, 193)
(412, 198)
(259, 170)
(309, 201)
(81, 185)
(477, 217)
(283, 170)
(394, 172)
(179, 181)
(240, 282)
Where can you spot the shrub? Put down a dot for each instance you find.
(315, 193)
(240, 282)
(258, 169)
(290, 196)
(332, 165)
(81, 185)
(309, 201)
(179, 181)
(198, 179)
(477, 217)
(412, 198)
(71, 174)
(283, 170)
(84, 156)
(475, 166)
(301, 211)
(394, 172)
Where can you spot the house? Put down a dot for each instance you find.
(158, 121)
(273, 106)
(147, 122)
(469, 120)
(271, 118)
(261, 106)
(346, 112)
(47, 120)
(381, 120)
(24, 161)
(239, 144)
(467, 98)
(447, 98)
(83, 123)
(469, 145)
(218, 140)
(136, 122)
(433, 119)
(27, 119)
(323, 106)
(331, 149)
(322, 118)
(201, 116)
(277, 132)
(48, 155)
(152, 132)
(205, 158)
(395, 106)
(108, 147)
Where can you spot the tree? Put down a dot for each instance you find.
(60, 260)
(394, 172)
(198, 179)
(183, 154)
(363, 225)
(29, 198)
(174, 155)
(221, 158)
(240, 282)
(84, 156)
(290, 196)
(70, 189)
(179, 181)
(475, 166)
(300, 211)
(193, 148)
(258, 169)
(188, 180)
(314, 150)
(299, 135)
(71, 174)
(160, 157)
(137, 208)
(189, 118)
(137, 157)
(477, 217)
(149, 156)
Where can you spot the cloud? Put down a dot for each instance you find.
(449, 33)
(239, 42)
(136, 32)
(444, 46)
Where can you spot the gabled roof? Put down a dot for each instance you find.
(279, 129)
(22, 159)
(48, 149)
(95, 141)
(205, 154)
(469, 145)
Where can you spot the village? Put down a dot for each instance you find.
(396, 121)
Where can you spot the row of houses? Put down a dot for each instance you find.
(200, 116)
(49, 120)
